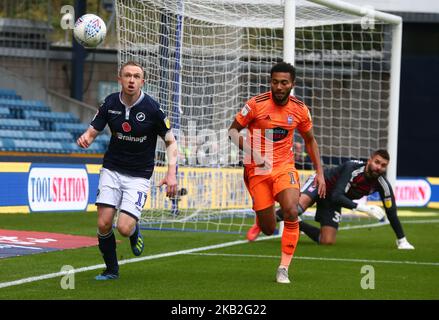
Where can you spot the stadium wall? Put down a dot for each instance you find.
(28, 187)
(31, 73)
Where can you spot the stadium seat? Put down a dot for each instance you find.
(5, 113)
(72, 147)
(11, 134)
(6, 144)
(103, 138)
(38, 146)
(37, 135)
(19, 124)
(9, 94)
(47, 118)
(17, 107)
(75, 128)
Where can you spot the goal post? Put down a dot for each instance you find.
(204, 58)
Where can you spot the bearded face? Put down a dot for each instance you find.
(376, 166)
(281, 86)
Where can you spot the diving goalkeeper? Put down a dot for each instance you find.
(349, 181)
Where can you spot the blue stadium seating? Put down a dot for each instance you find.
(9, 94)
(49, 135)
(31, 126)
(103, 140)
(92, 149)
(75, 128)
(37, 135)
(11, 134)
(5, 113)
(17, 107)
(6, 145)
(48, 118)
(19, 124)
(38, 146)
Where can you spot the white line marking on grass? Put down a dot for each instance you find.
(363, 226)
(319, 258)
(420, 221)
(126, 261)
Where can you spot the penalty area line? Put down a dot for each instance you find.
(436, 264)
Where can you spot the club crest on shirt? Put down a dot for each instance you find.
(290, 119)
(245, 110)
(126, 127)
(388, 203)
(140, 116)
(167, 123)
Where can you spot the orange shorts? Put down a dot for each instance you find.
(264, 188)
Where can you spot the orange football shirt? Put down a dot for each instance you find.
(271, 127)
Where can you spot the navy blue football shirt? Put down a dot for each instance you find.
(134, 132)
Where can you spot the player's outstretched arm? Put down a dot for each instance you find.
(171, 176)
(313, 150)
(87, 138)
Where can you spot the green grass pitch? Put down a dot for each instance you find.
(243, 271)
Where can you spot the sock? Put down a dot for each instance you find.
(107, 246)
(310, 231)
(290, 237)
(134, 235)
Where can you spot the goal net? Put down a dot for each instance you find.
(205, 58)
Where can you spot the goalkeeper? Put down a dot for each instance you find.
(351, 180)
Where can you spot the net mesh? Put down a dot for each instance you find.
(204, 59)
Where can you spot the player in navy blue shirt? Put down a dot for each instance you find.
(350, 181)
(135, 120)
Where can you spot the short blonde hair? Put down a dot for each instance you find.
(131, 63)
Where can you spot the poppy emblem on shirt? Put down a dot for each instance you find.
(290, 119)
(140, 116)
(126, 127)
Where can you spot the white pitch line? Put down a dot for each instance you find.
(319, 258)
(370, 225)
(420, 221)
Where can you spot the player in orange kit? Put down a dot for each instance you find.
(269, 171)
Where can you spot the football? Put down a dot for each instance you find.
(90, 30)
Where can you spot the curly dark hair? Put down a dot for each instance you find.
(284, 67)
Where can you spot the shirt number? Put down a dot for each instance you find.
(142, 199)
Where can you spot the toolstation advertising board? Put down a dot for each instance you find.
(36, 187)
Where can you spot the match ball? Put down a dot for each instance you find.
(90, 30)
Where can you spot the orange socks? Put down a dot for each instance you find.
(290, 237)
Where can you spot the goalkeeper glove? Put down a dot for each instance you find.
(373, 211)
